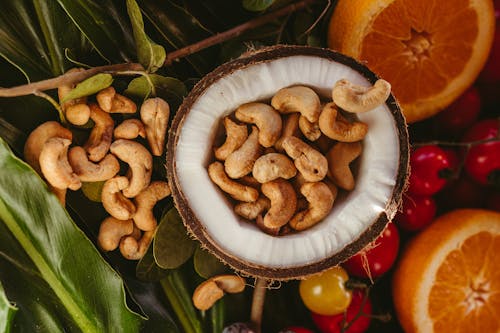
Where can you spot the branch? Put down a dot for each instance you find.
(67, 79)
(236, 31)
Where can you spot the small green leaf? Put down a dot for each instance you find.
(150, 55)
(257, 5)
(7, 312)
(172, 246)
(89, 86)
(93, 190)
(168, 88)
(148, 270)
(207, 265)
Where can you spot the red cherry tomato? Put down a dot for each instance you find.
(334, 324)
(491, 70)
(418, 212)
(483, 160)
(296, 329)
(378, 256)
(428, 164)
(461, 113)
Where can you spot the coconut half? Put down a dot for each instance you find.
(355, 220)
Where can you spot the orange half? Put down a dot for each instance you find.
(431, 51)
(448, 278)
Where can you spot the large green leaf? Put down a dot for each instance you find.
(89, 293)
(7, 312)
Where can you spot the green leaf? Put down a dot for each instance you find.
(257, 5)
(218, 316)
(104, 24)
(170, 89)
(150, 55)
(7, 312)
(89, 293)
(172, 246)
(207, 265)
(89, 86)
(148, 270)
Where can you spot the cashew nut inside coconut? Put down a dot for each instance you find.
(336, 127)
(298, 99)
(283, 203)
(357, 99)
(290, 128)
(339, 158)
(310, 162)
(240, 162)
(273, 166)
(236, 135)
(55, 166)
(237, 191)
(140, 164)
(320, 198)
(154, 114)
(145, 201)
(265, 117)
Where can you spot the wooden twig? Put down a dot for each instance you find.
(236, 31)
(259, 296)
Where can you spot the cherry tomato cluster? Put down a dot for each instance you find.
(455, 163)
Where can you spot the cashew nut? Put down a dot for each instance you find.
(310, 162)
(145, 201)
(310, 129)
(290, 128)
(111, 232)
(130, 129)
(336, 127)
(87, 171)
(235, 190)
(250, 210)
(98, 143)
(78, 114)
(240, 162)
(298, 99)
(283, 203)
(154, 115)
(265, 117)
(55, 166)
(339, 157)
(63, 90)
(134, 249)
(37, 138)
(259, 221)
(357, 99)
(236, 135)
(320, 200)
(273, 166)
(114, 202)
(112, 102)
(213, 289)
(140, 162)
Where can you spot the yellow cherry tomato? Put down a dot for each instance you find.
(325, 293)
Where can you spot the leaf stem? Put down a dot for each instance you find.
(259, 296)
(56, 105)
(236, 31)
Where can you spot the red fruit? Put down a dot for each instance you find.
(493, 201)
(482, 162)
(378, 257)
(459, 115)
(491, 70)
(462, 193)
(428, 166)
(417, 212)
(334, 324)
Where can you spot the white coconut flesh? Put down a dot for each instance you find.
(352, 214)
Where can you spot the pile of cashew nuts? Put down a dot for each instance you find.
(128, 198)
(285, 174)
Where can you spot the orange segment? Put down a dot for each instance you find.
(429, 50)
(447, 279)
